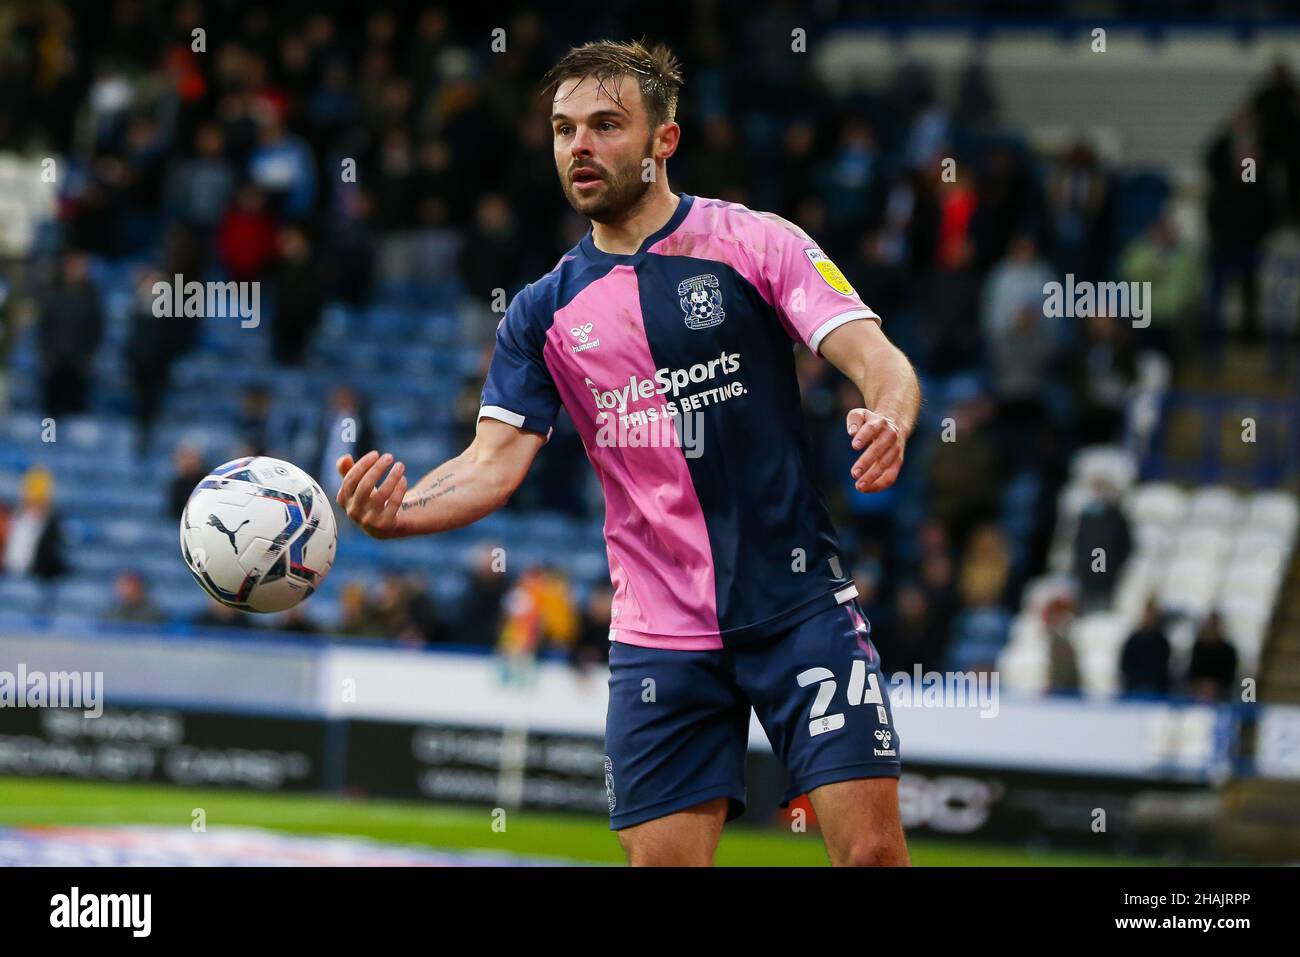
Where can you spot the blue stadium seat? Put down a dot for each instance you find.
(26, 594)
(177, 602)
(83, 595)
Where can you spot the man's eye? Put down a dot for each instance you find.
(607, 125)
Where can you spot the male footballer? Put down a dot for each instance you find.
(730, 589)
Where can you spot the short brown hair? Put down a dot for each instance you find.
(655, 69)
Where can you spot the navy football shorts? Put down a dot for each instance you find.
(678, 723)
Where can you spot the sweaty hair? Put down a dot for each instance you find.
(654, 68)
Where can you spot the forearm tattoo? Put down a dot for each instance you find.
(433, 491)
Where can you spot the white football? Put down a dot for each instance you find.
(258, 534)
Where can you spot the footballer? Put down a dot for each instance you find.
(730, 589)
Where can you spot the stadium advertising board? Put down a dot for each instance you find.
(193, 748)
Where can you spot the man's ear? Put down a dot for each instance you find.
(666, 140)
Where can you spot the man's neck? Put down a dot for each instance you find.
(648, 217)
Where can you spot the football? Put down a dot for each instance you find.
(258, 534)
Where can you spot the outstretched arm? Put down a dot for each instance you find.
(891, 393)
(460, 491)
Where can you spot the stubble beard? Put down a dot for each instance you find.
(623, 190)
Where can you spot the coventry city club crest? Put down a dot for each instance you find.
(701, 300)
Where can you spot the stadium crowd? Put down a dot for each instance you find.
(233, 162)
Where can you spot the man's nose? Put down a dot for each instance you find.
(581, 145)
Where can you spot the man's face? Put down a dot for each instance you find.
(599, 146)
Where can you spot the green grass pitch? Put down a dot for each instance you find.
(571, 837)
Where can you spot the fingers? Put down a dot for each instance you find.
(385, 491)
(388, 517)
(882, 473)
(869, 431)
(855, 419)
(343, 464)
(353, 478)
(371, 478)
(881, 445)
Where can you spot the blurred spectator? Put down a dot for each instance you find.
(539, 609)
(282, 166)
(246, 238)
(1102, 545)
(480, 611)
(71, 325)
(200, 186)
(395, 189)
(1173, 267)
(850, 185)
(424, 612)
(979, 633)
(717, 164)
(940, 598)
(403, 610)
(12, 316)
(296, 620)
(957, 203)
(1213, 666)
(186, 475)
(299, 296)
(1239, 214)
(252, 422)
(985, 567)
(951, 340)
(491, 258)
(795, 162)
(1008, 201)
(915, 639)
(217, 615)
(1279, 281)
(1144, 660)
(356, 616)
(154, 343)
(1105, 369)
(1276, 105)
(1021, 341)
(1078, 203)
(592, 646)
(133, 603)
(351, 250)
(1062, 663)
(34, 545)
(965, 473)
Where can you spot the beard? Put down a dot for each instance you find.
(620, 190)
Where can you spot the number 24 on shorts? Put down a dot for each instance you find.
(863, 689)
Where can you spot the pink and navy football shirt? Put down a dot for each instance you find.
(676, 365)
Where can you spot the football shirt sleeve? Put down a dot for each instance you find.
(519, 389)
(808, 291)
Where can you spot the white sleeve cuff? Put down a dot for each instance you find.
(506, 416)
(820, 333)
(502, 415)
